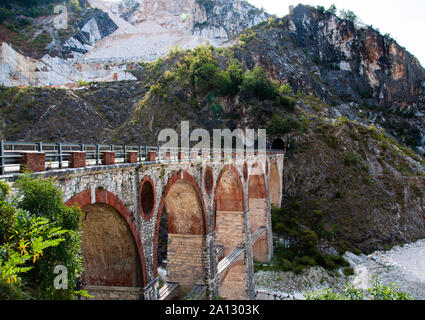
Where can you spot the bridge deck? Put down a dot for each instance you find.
(197, 292)
(257, 234)
(220, 252)
(168, 291)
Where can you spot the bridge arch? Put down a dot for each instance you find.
(112, 248)
(229, 201)
(258, 211)
(275, 186)
(184, 208)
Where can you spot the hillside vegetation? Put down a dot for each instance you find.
(352, 179)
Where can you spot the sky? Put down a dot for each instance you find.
(403, 20)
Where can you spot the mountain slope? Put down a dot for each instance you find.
(348, 161)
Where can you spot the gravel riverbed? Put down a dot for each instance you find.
(403, 266)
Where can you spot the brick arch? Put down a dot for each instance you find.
(258, 210)
(235, 172)
(229, 210)
(106, 197)
(217, 184)
(257, 182)
(182, 176)
(275, 185)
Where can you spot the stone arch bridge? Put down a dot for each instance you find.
(217, 213)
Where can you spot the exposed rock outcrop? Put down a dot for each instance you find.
(96, 26)
(345, 65)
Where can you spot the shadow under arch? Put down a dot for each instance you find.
(275, 186)
(104, 199)
(258, 211)
(198, 226)
(229, 210)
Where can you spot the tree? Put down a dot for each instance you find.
(256, 83)
(332, 9)
(37, 233)
(348, 15)
(321, 9)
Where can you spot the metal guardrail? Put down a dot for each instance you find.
(168, 291)
(58, 154)
(197, 292)
(227, 261)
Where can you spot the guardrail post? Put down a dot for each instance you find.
(2, 156)
(140, 153)
(97, 155)
(60, 155)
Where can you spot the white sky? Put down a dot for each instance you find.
(404, 20)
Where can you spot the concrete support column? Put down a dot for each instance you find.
(249, 260)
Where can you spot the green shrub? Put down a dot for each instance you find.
(83, 83)
(309, 241)
(255, 83)
(41, 41)
(348, 271)
(377, 292)
(321, 9)
(351, 158)
(332, 9)
(286, 102)
(25, 241)
(281, 126)
(285, 89)
(40, 202)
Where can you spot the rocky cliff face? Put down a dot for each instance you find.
(94, 27)
(215, 20)
(375, 66)
(102, 32)
(359, 72)
(220, 20)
